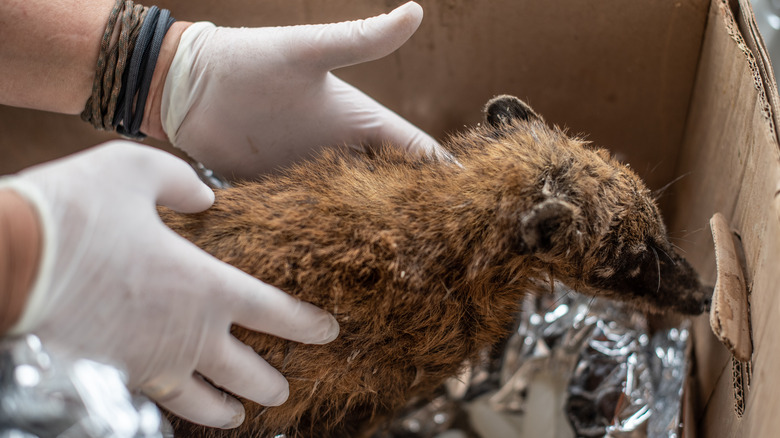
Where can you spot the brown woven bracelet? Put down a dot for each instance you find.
(125, 21)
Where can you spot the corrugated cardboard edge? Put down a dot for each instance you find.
(745, 33)
(729, 314)
(741, 374)
(753, 40)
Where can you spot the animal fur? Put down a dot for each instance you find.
(423, 262)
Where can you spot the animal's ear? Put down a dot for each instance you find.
(545, 225)
(502, 110)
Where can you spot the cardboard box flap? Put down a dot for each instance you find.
(729, 314)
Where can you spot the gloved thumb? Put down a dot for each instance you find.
(354, 42)
(169, 180)
(180, 189)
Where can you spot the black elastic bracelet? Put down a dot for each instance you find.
(138, 77)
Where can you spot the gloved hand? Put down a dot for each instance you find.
(115, 284)
(248, 100)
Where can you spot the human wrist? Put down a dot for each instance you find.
(152, 121)
(20, 255)
(122, 97)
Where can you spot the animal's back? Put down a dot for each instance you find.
(351, 236)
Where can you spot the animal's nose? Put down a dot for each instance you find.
(706, 304)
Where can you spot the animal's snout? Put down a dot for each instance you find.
(706, 301)
(707, 304)
(697, 302)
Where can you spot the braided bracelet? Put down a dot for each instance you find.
(125, 66)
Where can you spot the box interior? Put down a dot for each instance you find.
(673, 88)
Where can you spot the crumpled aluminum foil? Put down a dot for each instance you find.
(43, 395)
(575, 366)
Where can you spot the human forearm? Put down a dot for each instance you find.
(48, 52)
(20, 251)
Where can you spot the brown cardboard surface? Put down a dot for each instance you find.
(731, 154)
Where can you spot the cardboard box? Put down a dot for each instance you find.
(680, 89)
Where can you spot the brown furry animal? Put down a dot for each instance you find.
(423, 262)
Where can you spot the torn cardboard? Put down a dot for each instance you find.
(729, 313)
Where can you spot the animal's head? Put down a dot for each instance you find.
(589, 217)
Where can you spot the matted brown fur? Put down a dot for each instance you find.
(424, 261)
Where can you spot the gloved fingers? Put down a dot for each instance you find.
(264, 308)
(201, 403)
(237, 368)
(380, 125)
(398, 131)
(353, 42)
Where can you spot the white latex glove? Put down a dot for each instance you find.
(248, 100)
(115, 284)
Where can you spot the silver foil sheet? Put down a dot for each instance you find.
(43, 395)
(575, 366)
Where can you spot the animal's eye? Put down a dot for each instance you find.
(656, 243)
